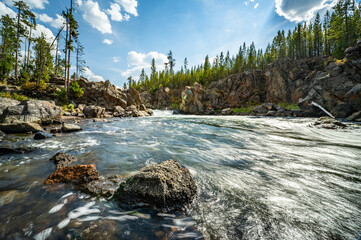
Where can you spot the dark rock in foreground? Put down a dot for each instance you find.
(166, 185)
(80, 174)
(329, 123)
(63, 160)
(19, 150)
(42, 135)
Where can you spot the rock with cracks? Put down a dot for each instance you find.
(166, 185)
(63, 160)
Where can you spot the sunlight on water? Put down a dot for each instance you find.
(258, 178)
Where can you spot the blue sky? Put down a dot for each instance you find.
(122, 36)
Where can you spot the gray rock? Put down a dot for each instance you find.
(70, 128)
(166, 185)
(329, 123)
(63, 160)
(42, 135)
(21, 127)
(93, 111)
(342, 110)
(260, 109)
(353, 97)
(31, 111)
(6, 102)
(119, 109)
(227, 111)
(131, 108)
(356, 117)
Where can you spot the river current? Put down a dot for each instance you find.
(257, 178)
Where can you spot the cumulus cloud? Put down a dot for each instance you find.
(298, 11)
(115, 13)
(138, 61)
(108, 41)
(130, 6)
(5, 10)
(56, 23)
(91, 76)
(31, 3)
(95, 17)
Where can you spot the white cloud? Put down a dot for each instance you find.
(108, 41)
(31, 3)
(42, 29)
(114, 12)
(298, 11)
(248, 2)
(138, 61)
(56, 23)
(130, 6)
(256, 6)
(95, 17)
(5, 10)
(126, 17)
(116, 59)
(91, 76)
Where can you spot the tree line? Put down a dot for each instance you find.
(28, 60)
(330, 36)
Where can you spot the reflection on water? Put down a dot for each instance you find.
(258, 178)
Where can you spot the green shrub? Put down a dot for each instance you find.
(289, 106)
(62, 96)
(174, 106)
(13, 96)
(76, 89)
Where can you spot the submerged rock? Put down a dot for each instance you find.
(166, 185)
(63, 160)
(329, 123)
(2, 135)
(79, 175)
(42, 135)
(20, 150)
(21, 127)
(70, 128)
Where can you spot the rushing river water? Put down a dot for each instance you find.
(258, 178)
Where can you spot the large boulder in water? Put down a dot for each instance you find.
(166, 185)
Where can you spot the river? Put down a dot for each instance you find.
(257, 178)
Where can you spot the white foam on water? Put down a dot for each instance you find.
(67, 195)
(64, 223)
(44, 234)
(56, 208)
(81, 211)
(121, 218)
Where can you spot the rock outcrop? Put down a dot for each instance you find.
(6, 102)
(166, 185)
(27, 115)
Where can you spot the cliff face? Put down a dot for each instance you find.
(333, 84)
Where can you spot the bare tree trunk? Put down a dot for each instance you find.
(56, 57)
(70, 32)
(28, 59)
(17, 46)
(66, 54)
(77, 63)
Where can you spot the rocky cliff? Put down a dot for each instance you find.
(333, 84)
